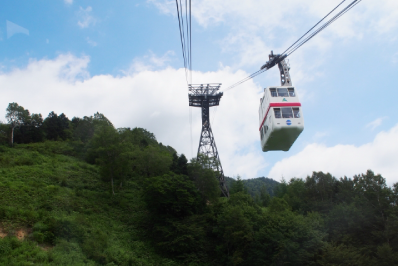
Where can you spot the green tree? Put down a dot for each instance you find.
(4, 128)
(386, 255)
(36, 123)
(235, 227)
(284, 237)
(150, 161)
(376, 201)
(264, 197)
(15, 116)
(175, 207)
(343, 255)
(254, 185)
(31, 129)
(320, 191)
(83, 128)
(56, 127)
(295, 194)
(204, 178)
(179, 164)
(111, 149)
(238, 186)
(101, 119)
(236, 224)
(143, 137)
(172, 195)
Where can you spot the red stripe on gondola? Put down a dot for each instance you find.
(284, 104)
(278, 105)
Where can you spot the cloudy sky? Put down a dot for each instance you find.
(123, 59)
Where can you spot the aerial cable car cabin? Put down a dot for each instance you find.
(280, 115)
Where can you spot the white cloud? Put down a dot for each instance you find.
(153, 99)
(376, 123)
(85, 17)
(253, 27)
(344, 160)
(150, 62)
(69, 2)
(395, 58)
(387, 13)
(165, 6)
(319, 135)
(287, 14)
(91, 42)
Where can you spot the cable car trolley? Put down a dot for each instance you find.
(280, 115)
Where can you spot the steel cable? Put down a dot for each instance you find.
(186, 47)
(338, 15)
(295, 46)
(185, 36)
(314, 26)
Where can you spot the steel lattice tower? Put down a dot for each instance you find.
(206, 96)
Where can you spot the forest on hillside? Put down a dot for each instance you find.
(86, 193)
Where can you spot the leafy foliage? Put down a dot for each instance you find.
(204, 179)
(56, 127)
(82, 192)
(16, 115)
(68, 210)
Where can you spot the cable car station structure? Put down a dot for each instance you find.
(206, 96)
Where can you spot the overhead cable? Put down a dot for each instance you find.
(184, 12)
(298, 44)
(338, 15)
(190, 41)
(246, 79)
(186, 46)
(314, 26)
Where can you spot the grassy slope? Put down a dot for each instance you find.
(63, 204)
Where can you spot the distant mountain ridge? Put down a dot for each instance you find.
(254, 185)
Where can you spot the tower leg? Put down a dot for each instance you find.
(207, 146)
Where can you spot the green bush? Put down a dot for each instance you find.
(67, 229)
(16, 252)
(42, 233)
(68, 253)
(94, 246)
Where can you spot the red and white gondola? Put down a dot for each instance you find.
(280, 117)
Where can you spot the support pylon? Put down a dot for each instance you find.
(206, 96)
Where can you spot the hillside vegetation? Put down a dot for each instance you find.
(82, 192)
(68, 211)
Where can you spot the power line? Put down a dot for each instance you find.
(190, 41)
(184, 12)
(181, 34)
(246, 79)
(314, 26)
(338, 15)
(295, 46)
(186, 46)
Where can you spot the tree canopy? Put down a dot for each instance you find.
(174, 206)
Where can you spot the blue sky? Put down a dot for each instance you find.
(123, 58)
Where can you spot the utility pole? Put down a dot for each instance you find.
(206, 96)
